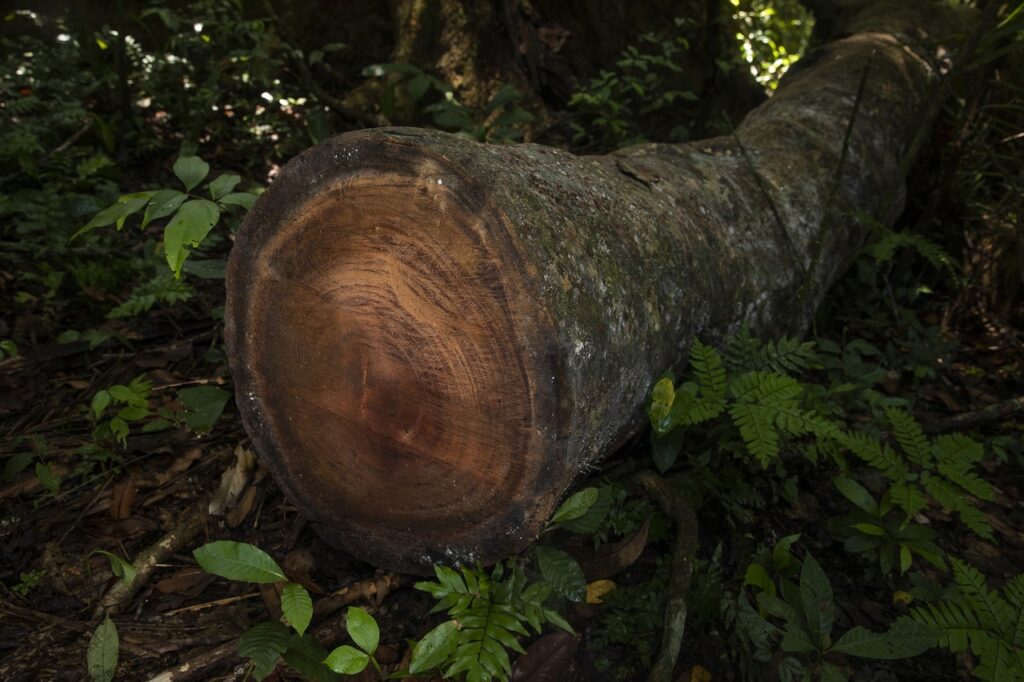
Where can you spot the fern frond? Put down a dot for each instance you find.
(875, 453)
(707, 366)
(954, 500)
(767, 388)
(909, 498)
(959, 450)
(972, 483)
(1014, 593)
(993, 612)
(789, 355)
(956, 455)
(956, 624)
(884, 249)
(743, 352)
(910, 437)
(163, 288)
(797, 422)
(755, 423)
(710, 373)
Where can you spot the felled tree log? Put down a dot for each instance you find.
(432, 338)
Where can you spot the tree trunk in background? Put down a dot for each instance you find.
(431, 338)
(547, 48)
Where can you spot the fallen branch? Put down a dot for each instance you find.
(970, 420)
(175, 540)
(684, 549)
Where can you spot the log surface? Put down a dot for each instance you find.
(431, 338)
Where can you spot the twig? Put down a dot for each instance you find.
(970, 420)
(205, 605)
(195, 668)
(375, 589)
(176, 539)
(74, 138)
(684, 549)
(32, 615)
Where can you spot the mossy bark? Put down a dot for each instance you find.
(431, 338)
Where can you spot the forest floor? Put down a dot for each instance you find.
(939, 336)
(171, 491)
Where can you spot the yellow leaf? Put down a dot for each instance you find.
(598, 589)
(697, 673)
(901, 597)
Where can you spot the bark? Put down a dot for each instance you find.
(431, 338)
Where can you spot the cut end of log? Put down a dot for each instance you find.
(383, 357)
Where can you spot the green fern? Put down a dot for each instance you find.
(707, 367)
(911, 438)
(875, 453)
(744, 352)
(944, 470)
(990, 624)
(163, 288)
(766, 406)
(884, 249)
(490, 612)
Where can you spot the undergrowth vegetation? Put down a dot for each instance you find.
(849, 496)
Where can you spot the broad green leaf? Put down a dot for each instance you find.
(782, 557)
(100, 401)
(576, 506)
(791, 670)
(562, 572)
(417, 86)
(264, 644)
(188, 228)
(121, 568)
(119, 428)
(297, 606)
(191, 170)
(856, 493)
(362, 628)
(665, 448)
(905, 559)
(870, 529)
(905, 639)
(238, 561)
(758, 577)
(162, 204)
(435, 647)
(207, 269)
(556, 619)
(816, 599)
(126, 395)
(347, 660)
(307, 656)
(133, 413)
(15, 464)
(117, 213)
(795, 640)
(204, 405)
(223, 185)
(101, 658)
(47, 478)
(592, 519)
(243, 199)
